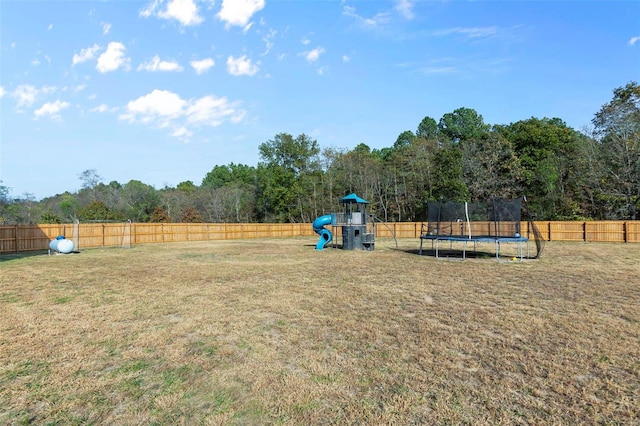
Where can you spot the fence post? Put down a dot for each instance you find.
(16, 238)
(625, 228)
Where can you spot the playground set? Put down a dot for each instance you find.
(356, 226)
(498, 221)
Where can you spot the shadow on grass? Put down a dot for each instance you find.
(457, 254)
(16, 256)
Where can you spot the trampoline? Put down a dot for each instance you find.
(497, 221)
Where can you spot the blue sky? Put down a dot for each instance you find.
(162, 91)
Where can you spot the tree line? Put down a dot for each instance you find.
(564, 173)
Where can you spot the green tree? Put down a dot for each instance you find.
(4, 194)
(491, 168)
(617, 129)
(408, 174)
(139, 200)
(405, 138)
(428, 129)
(69, 207)
(98, 211)
(547, 149)
(23, 210)
(448, 182)
(285, 174)
(462, 124)
(229, 194)
(232, 173)
(109, 194)
(5, 201)
(50, 217)
(239, 202)
(331, 185)
(187, 187)
(361, 171)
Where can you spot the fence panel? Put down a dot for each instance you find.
(632, 232)
(92, 235)
(566, 231)
(612, 231)
(9, 239)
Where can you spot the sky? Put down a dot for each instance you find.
(162, 91)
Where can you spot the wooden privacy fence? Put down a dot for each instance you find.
(25, 238)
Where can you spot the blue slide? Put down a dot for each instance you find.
(319, 228)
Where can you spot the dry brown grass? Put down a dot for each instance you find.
(273, 332)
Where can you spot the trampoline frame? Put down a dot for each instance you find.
(435, 242)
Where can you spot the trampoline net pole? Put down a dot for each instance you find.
(466, 214)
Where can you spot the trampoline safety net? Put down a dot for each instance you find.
(494, 218)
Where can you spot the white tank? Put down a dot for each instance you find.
(61, 245)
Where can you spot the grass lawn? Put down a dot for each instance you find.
(273, 332)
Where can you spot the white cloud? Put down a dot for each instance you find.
(634, 40)
(182, 133)
(313, 55)
(113, 58)
(405, 8)
(268, 41)
(159, 104)
(85, 54)
(241, 66)
(184, 11)
(438, 70)
(156, 64)
(106, 27)
(239, 12)
(165, 109)
(51, 109)
(376, 21)
(202, 66)
(472, 32)
(305, 41)
(25, 95)
(346, 58)
(50, 27)
(211, 111)
(150, 9)
(101, 108)
(2, 92)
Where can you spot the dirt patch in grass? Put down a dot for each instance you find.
(274, 332)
